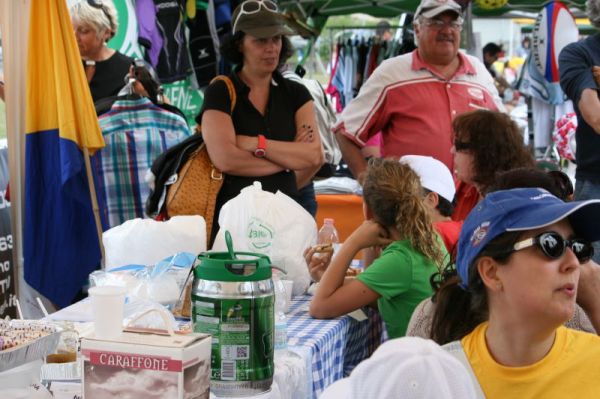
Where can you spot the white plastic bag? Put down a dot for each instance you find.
(146, 241)
(271, 224)
(161, 283)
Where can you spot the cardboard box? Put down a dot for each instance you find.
(147, 366)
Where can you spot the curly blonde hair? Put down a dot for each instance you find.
(393, 192)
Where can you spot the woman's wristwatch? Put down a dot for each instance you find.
(261, 147)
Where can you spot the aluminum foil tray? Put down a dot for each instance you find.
(33, 350)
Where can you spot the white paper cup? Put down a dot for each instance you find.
(107, 307)
(289, 287)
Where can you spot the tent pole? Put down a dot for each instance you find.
(14, 18)
(95, 207)
(468, 37)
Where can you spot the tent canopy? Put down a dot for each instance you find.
(393, 8)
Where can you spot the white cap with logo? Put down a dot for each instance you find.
(434, 175)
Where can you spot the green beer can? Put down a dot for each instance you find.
(233, 300)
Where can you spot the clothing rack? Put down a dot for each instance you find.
(361, 27)
(351, 27)
(331, 29)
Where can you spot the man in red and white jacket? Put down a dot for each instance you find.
(413, 98)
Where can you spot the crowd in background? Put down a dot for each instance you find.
(466, 242)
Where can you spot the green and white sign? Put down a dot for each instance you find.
(185, 97)
(126, 39)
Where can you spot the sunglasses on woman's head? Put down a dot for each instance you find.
(99, 5)
(252, 7)
(553, 245)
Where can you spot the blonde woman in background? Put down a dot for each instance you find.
(95, 23)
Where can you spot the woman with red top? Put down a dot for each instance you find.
(485, 144)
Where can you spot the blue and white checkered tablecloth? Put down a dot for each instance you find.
(336, 346)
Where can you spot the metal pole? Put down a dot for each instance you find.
(95, 207)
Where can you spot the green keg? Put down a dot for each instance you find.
(232, 299)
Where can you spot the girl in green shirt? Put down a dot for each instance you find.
(398, 221)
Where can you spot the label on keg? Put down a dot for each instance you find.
(242, 330)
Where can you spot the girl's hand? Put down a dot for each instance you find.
(370, 234)
(317, 263)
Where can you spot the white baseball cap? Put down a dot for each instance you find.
(434, 175)
(408, 368)
(431, 8)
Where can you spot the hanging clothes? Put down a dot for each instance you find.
(363, 51)
(349, 76)
(207, 30)
(335, 81)
(165, 36)
(204, 46)
(353, 62)
(135, 132)
(373, 57)
(149, 36)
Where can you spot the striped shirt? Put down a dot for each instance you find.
(413, 105)
(135, 132)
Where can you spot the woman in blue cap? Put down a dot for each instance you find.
(520, 256)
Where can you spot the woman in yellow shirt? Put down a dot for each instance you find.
(520, 255)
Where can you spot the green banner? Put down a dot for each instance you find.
(125, 41)
(185, 97)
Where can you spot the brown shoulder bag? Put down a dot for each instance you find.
(199, 181)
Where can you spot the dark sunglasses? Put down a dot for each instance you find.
(553, 245)
(461, 145)
(100, 6)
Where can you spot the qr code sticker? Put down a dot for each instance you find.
(242, 352)
(235, 352)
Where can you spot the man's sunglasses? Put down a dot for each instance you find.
(553, 245)
(438, 24)
(252, 7)
(100, 6)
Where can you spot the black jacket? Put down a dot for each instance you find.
(165, 168)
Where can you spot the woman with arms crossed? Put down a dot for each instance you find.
(271, 136)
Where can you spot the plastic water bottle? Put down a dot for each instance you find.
(328, 239)
(280, 319)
